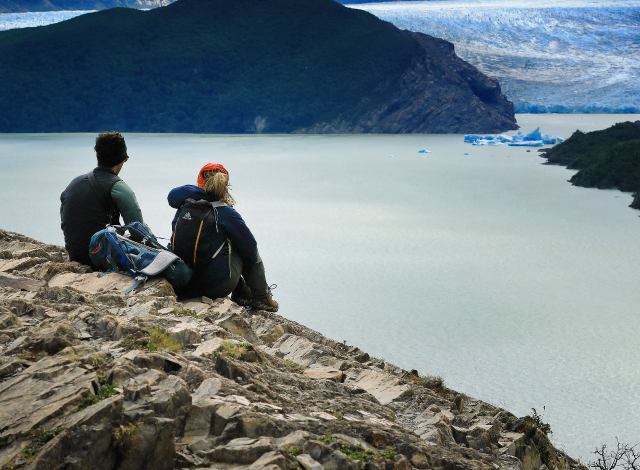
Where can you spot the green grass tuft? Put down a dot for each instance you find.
(154, 339)
(104, 391)
(184, 312)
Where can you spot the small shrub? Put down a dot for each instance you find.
(328, 439)
(42, 435)
(361, 455)
(625, 455)
(29, 453)
(184, 312)
(292, 450)
(388, 453)
(72, 357)
(154, 340)
(139, 342)
(293, 365)
(164, 341)
(124, 437)
(535, 421)
(104, 391)
(98, 361)
(234, 349)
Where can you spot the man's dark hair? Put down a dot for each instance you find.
(110, 149)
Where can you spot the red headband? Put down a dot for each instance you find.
(209, 167)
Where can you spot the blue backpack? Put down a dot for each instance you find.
(112, 251)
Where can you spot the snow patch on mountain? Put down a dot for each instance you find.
(32, 19)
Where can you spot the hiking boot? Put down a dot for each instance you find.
(265, 301)
(242, 294)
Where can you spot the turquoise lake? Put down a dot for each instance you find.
(488, 269)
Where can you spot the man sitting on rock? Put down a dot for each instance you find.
(96, 199)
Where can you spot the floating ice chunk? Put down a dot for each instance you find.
(466, 153)
(492, 139)
(527, 143)
(424, 151)
(519, 137)
(549, 139)
(533, 136)
(393, 156)
(487, 142)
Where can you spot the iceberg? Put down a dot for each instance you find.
(535, 135)
(492, 139)
(532, 139)
(549, 139)
(424, 151)
(487, 142)
(527, 143)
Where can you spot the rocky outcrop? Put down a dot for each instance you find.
(94, 379)
(439, 93)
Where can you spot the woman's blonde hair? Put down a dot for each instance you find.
(216, 182)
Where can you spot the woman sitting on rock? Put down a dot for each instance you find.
(236, 266)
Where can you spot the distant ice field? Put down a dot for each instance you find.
(548, 55)
(29, 20)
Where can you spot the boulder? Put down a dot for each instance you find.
(184, 333)
(110, 283)
(297, 349)
(308, 463)
(327, 373)
(50, 389)
(20, 283)
(171, 400)
(83, 448)
(385, 387)
(266, 330)
(7, 320)
(236, 324)
(54, 338)
(153, 446)
(242, 450)
(210, 347)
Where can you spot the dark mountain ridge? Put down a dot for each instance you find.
(223, 66)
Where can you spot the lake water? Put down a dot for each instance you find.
(488, 269)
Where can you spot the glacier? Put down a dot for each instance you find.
(40, 18)
(557, 56)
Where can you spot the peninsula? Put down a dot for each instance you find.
(606, 159)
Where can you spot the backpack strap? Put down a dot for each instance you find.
(215, 205)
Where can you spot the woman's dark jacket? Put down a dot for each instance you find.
(230, 226)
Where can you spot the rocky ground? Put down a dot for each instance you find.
(97, 380)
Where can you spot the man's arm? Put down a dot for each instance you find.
(127, 204)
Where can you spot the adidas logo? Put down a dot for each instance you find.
(187, 216)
